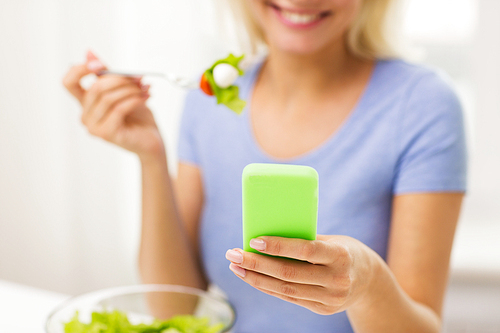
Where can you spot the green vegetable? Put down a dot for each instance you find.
(117, 322)
(228, 96)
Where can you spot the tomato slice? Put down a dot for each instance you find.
(205, 86)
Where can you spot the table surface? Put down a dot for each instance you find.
(24, 309)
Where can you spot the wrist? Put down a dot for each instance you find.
(154, 168)
(153, 157)
(374, 285)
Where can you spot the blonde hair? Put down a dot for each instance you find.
(368, 35)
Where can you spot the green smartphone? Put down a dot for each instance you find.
(279, 200)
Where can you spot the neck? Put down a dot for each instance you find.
(292, 76)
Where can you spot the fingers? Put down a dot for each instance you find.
(72, 80)
(108, 100)
(320, 280)
(316, 307)
(315, 298)
(111, 125)
(280, 268)
(316, 252)
(102, 86)
(93, 63)
(296, 290)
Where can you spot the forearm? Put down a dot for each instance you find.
(165, 253)
(385, 307)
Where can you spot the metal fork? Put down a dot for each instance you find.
(176, 80)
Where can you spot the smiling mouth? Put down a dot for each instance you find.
(298, 17)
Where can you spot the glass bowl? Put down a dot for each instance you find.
(143, 303)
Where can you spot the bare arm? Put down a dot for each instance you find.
(337, 273)
(168, 253)
(189, 193)
(115, 109)
(406, 295)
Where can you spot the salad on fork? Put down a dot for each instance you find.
(218, 81)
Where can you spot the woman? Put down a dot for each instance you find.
(385, 136)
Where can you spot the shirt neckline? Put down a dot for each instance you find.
(322, 147)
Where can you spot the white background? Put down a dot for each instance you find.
(69, 203)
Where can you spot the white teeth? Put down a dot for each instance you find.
(299, 18)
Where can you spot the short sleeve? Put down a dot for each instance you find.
(187, 150)
(432, 151)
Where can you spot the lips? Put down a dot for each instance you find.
(298, 18)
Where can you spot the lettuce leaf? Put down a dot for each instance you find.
(228, 96)
(117, 322)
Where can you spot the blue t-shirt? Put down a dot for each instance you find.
(406, 135)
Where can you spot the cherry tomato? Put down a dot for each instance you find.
(205, 86)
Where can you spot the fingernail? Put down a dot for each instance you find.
(238, 270)
(91, 55)
(137, 79)
(95, 65)
(145, 95)
(258, 244)
(145, 87)
(234, 256)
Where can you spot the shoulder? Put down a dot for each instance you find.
(423, 95)
(430, 129)
(417, 83)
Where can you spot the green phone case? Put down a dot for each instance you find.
(279, 200)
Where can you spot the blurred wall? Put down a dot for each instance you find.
(69, 203)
